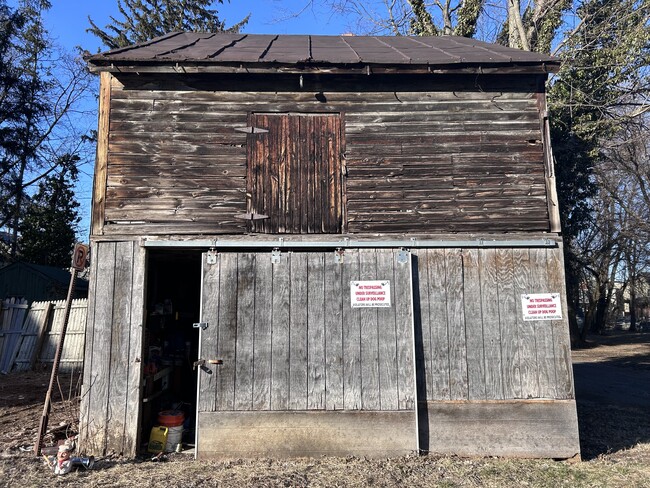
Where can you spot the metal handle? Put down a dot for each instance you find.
(202, 362)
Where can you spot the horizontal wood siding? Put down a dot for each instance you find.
(445, 154)
(476, 345)
(111, 390)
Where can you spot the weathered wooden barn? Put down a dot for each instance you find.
(363, 230)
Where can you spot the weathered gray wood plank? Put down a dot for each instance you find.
(262, 355)
(473, 325)
(281, 320)
(335, 299)
(245, 331)
(228, 291)
(369, 339)
(210, 337)
(86, 441)
(440, 388)
(134, 374)
(119, 346)
(543, 329)
(561, 339)
(351, 335)
(405, 366)
(387, 335)
(101, 348)
(491, 325)
(298, 333)
(508, 321)
(526, 345)
(315, 332)
(458, 389)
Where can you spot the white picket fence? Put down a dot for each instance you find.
(29, 335)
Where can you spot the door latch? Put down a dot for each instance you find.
(201, 363)
(200, 325)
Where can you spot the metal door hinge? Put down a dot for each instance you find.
(339, 256)
(211, 257)
(251, 130)
(275, 256)
(200, 325)
(250, 216)
(403, 256)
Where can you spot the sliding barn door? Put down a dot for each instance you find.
(294, 175)
(304, 372)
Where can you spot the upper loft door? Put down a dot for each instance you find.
(294, 173)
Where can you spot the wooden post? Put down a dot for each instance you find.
(78, 263)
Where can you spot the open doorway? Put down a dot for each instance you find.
(171, 342)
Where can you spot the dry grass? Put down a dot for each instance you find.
(615, 442)
(349, 472)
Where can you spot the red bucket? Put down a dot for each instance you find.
(171, 418)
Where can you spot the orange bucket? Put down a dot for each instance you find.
(171, 418)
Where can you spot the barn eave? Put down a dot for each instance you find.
(320, 69)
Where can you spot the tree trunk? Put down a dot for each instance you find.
(600, 320)
(633, 325)
(517, 34)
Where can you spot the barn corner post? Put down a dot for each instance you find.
(276, 199)
(112, 381)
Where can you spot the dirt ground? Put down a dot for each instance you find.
(612, 378)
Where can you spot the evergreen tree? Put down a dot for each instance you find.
(27, 47)
(11, 86)
(40, 88)
(48, 228)
(145, 19)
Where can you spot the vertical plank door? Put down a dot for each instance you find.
(294, 173)
(305, 373)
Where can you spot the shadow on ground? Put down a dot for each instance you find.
(613, 394)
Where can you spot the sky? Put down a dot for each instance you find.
(68, 19)
(67, 22)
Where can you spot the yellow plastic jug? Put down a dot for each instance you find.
(158, 439)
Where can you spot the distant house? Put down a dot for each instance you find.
(37, 282)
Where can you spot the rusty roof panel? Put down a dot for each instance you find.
(334, 49)
(319, 51)
(209, 47)
(250, 49)
(284, 49)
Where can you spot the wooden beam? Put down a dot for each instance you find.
(517, 428)
(101, 163)
(365, 69)
(549, 164)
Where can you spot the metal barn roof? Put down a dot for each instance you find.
(197, 52)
